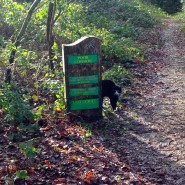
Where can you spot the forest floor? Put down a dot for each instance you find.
(141, 144)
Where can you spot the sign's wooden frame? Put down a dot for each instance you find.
(82, 77)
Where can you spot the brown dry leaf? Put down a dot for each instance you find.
(31, 171)
(89, 176)
(47, 163)
(58, 181)
(11, 169)
(65, 151)
(49, 127)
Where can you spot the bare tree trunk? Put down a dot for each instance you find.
(49, 34)
(17, 41)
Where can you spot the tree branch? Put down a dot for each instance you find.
(19, 36)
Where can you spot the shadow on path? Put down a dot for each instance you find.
(150, 132)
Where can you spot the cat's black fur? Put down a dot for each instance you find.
(112, 91)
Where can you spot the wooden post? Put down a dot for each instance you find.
(82, 76)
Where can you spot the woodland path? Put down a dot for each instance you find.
(155, 141)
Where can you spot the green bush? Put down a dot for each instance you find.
(118, 74)
(118, 23)
(22, 174)
(122, 21)
(56, 89)
(181, 17)
(28, 149)
(13, 104)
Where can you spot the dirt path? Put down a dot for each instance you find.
(155, 141)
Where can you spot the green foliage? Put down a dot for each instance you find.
(181, 17)
(104, 19)
(13, 104)
(132, 12)
(54, 86)
(29, 127)
(56, 89)
(118, 23)
(22, 174)
(118, 74)
(28, 149)
(12, 12)
(1, 41)
(16, 137)
(39, 111)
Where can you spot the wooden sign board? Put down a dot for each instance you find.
(82, 76)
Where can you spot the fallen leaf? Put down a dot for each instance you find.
(59, 181)
(35, 98)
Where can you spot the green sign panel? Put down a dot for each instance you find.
(84, 91)
(76, 80)
(85, 104)
(83, 59)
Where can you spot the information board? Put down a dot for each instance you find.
(82, 75)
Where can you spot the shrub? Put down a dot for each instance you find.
(118, 74)
(13, 104)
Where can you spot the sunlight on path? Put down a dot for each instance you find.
(157, 142)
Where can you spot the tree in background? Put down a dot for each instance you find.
(18, 39)
(170, 6)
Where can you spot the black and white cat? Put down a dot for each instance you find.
(112, 91)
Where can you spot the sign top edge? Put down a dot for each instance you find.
(81, 40)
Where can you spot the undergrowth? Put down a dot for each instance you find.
(181, 17)
(119, 24)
